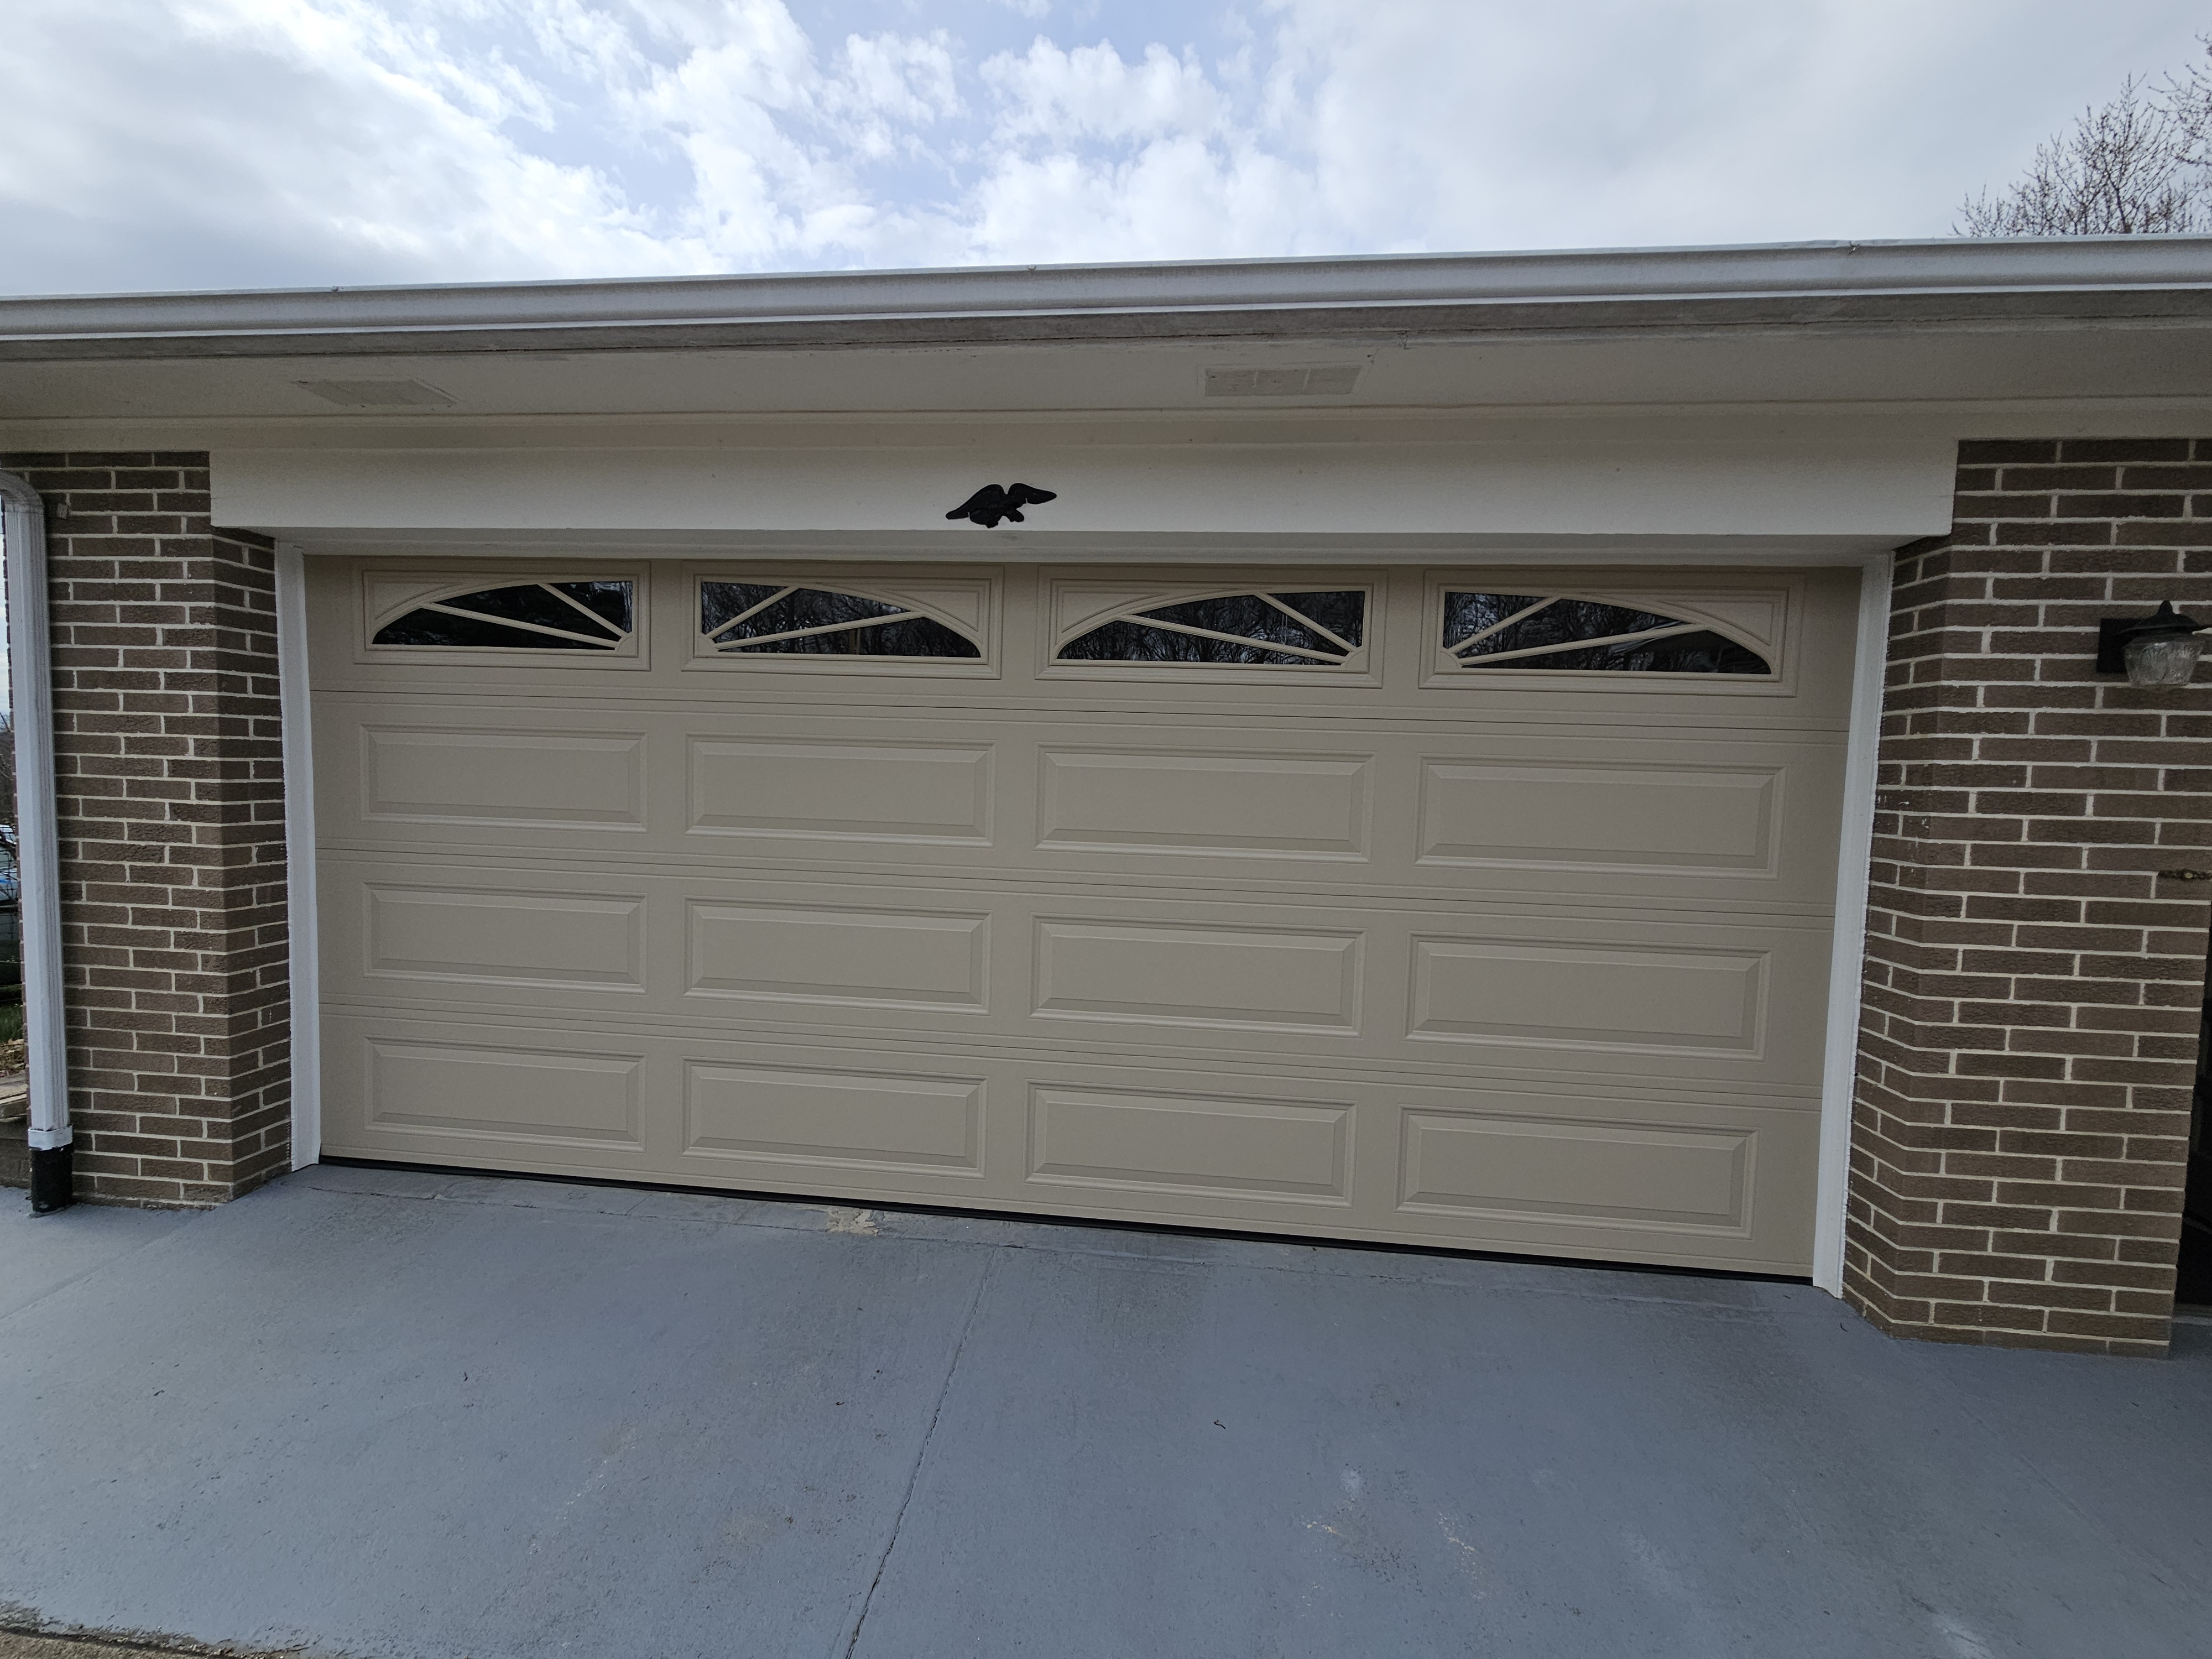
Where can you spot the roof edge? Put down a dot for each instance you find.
(2150, 278)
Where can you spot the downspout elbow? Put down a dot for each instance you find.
(23, 535)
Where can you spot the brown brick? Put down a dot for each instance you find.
(2124, 450)
(1997, 452)
(2017, 936)
(164, 672)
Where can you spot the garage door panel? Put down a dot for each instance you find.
(486, 1090)
(537, 940)
(1603, 1171)
(1213, 804)
(1250, 979)
(1594, 990)
(838, 792)
(1503, 960)
(502, 779)
(1520, 1167)
(832, 1120)
(1657, 818)
(1631, 997)
(1217, 1144)
(398, 772)
(1567, 1169)
(1072, 1043)
(1683, 814)
(1709, 1002)
(841, 954)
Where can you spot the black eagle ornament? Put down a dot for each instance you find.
(990, 504)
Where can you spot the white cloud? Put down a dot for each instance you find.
(775, 139)
(1093, 155)
(1092, 93)
(173, 146)
(1176, 199)
(161, 144)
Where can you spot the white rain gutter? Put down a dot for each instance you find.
(23, 533)
(1950, 283)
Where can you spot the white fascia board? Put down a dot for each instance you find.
(1866, 490)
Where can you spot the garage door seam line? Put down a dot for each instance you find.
(921, 1452)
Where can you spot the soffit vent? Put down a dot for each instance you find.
(378, 394)
(1291, 380)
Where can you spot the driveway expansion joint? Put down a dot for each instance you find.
(921, 1452)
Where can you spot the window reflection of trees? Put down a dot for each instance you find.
(1527, 631)
(586, 616)
(1289, 629)
(765, 619)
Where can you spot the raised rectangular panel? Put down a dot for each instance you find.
(507, 938)
(840, 791)
(560, 780)
(505, 1094)
(1170, 1143)
(1246, 805)
(930, 1124)
(1587, 995)
(1618, 1174)
(1636, 817)
(1216, 976)
(895, 959)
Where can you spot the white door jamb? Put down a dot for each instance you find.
(300, 855)
(1840, 1073)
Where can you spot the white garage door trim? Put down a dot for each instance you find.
(294, 699)
(1852, 874)
(1854, 853)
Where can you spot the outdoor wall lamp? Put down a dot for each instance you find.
(2161, 649)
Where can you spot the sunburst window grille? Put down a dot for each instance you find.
(740, 619)
(596, 616)
(1289, 629)
(1531, 630)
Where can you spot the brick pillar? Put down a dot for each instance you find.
(170, 786)
(2033, 985)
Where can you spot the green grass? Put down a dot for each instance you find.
(11, 1021)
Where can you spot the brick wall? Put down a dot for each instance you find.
(168, 773)
(2033, 986)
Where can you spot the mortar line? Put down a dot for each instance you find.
(921, 1452)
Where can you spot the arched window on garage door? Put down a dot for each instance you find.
(1500, 632)
(826, 622)
(591, 616)
(1288, 626)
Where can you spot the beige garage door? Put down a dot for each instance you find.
(1484, 907)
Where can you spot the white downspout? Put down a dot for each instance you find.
(23, 533)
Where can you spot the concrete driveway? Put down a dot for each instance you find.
(395, 1414)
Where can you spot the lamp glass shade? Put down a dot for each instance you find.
(2163, 658)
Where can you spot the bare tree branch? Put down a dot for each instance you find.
(2135, 167)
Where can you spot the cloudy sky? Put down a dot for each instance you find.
(224, 143)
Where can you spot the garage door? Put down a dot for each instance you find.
(1480, 907)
